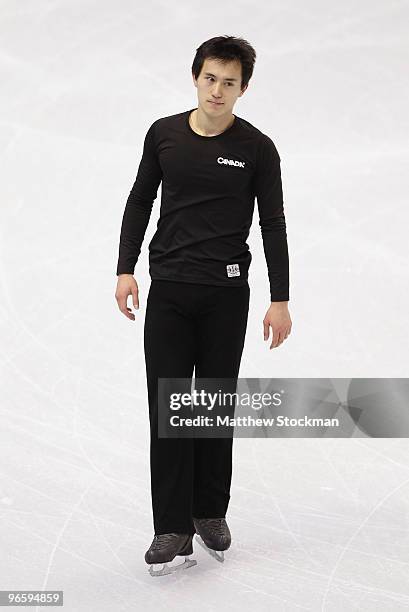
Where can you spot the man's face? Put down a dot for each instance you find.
(219, 86)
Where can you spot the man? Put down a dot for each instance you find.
(212, 165)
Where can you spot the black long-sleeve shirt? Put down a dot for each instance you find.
(209, 185)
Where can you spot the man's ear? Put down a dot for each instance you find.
(243, 90)
(194, 80)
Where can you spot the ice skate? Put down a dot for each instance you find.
(215, 536)
(164, 548)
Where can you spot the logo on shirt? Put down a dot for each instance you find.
(233, 270)
(230, 162)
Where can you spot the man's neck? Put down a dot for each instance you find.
(207, 126)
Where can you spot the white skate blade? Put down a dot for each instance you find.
(169, 569)
(217, 554)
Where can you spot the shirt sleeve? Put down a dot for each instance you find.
(139, 205)
(269, 194)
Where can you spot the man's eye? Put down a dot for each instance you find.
(228, 82)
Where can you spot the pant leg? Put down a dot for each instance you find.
(169, 345)
(222, 329)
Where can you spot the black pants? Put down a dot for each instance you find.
(202, 327)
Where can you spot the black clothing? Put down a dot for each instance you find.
(209, 185)
(188, 327)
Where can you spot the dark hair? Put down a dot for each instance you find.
(226, 49)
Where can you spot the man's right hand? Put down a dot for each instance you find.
(126, 286)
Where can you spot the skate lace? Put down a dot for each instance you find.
(162, 540)
(216, 526)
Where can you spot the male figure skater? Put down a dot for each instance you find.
(212, 165)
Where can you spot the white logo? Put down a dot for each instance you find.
(233, 270)
(230, 162)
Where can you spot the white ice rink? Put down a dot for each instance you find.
(318, 525)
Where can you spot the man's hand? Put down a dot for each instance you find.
(127, 285)
(278, 317)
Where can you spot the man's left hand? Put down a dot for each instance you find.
(278, 318)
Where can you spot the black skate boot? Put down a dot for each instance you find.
(165, 547)
(214, 535)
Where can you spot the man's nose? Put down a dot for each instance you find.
(217, 90)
